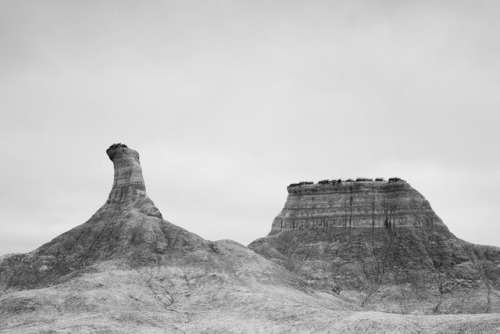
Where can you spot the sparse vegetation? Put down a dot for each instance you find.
(300, 184)
(363, 179)
(118, 145)
(394, 179)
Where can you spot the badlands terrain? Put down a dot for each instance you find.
(364, 256)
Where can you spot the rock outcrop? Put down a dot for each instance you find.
(381, 243)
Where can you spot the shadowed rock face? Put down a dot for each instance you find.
(382, 242)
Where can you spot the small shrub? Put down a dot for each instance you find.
(361, 179)
(379, 179)
(324, 182)
(114, 146)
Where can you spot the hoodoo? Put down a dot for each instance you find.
(129, 188)
(128, 181)
(380, 242)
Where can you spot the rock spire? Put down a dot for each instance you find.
(129, 189)
(128, 182)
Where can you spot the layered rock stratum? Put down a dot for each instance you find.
(369, 204)
(381, 243)
(127, 270)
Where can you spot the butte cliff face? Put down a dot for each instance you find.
(381, 243)
(366, 204)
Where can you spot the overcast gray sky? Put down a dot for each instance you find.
(228, 102)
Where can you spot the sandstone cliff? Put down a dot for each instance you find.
(381, 243)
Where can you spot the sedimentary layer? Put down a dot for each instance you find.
(373, 204)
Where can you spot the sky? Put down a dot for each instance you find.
(228, 102)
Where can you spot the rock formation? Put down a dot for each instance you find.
(128, 183)
(381, 242)
(128, 226)
(127, 270)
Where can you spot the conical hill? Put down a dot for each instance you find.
(127, 228)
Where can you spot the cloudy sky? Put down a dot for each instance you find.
(228, 102)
